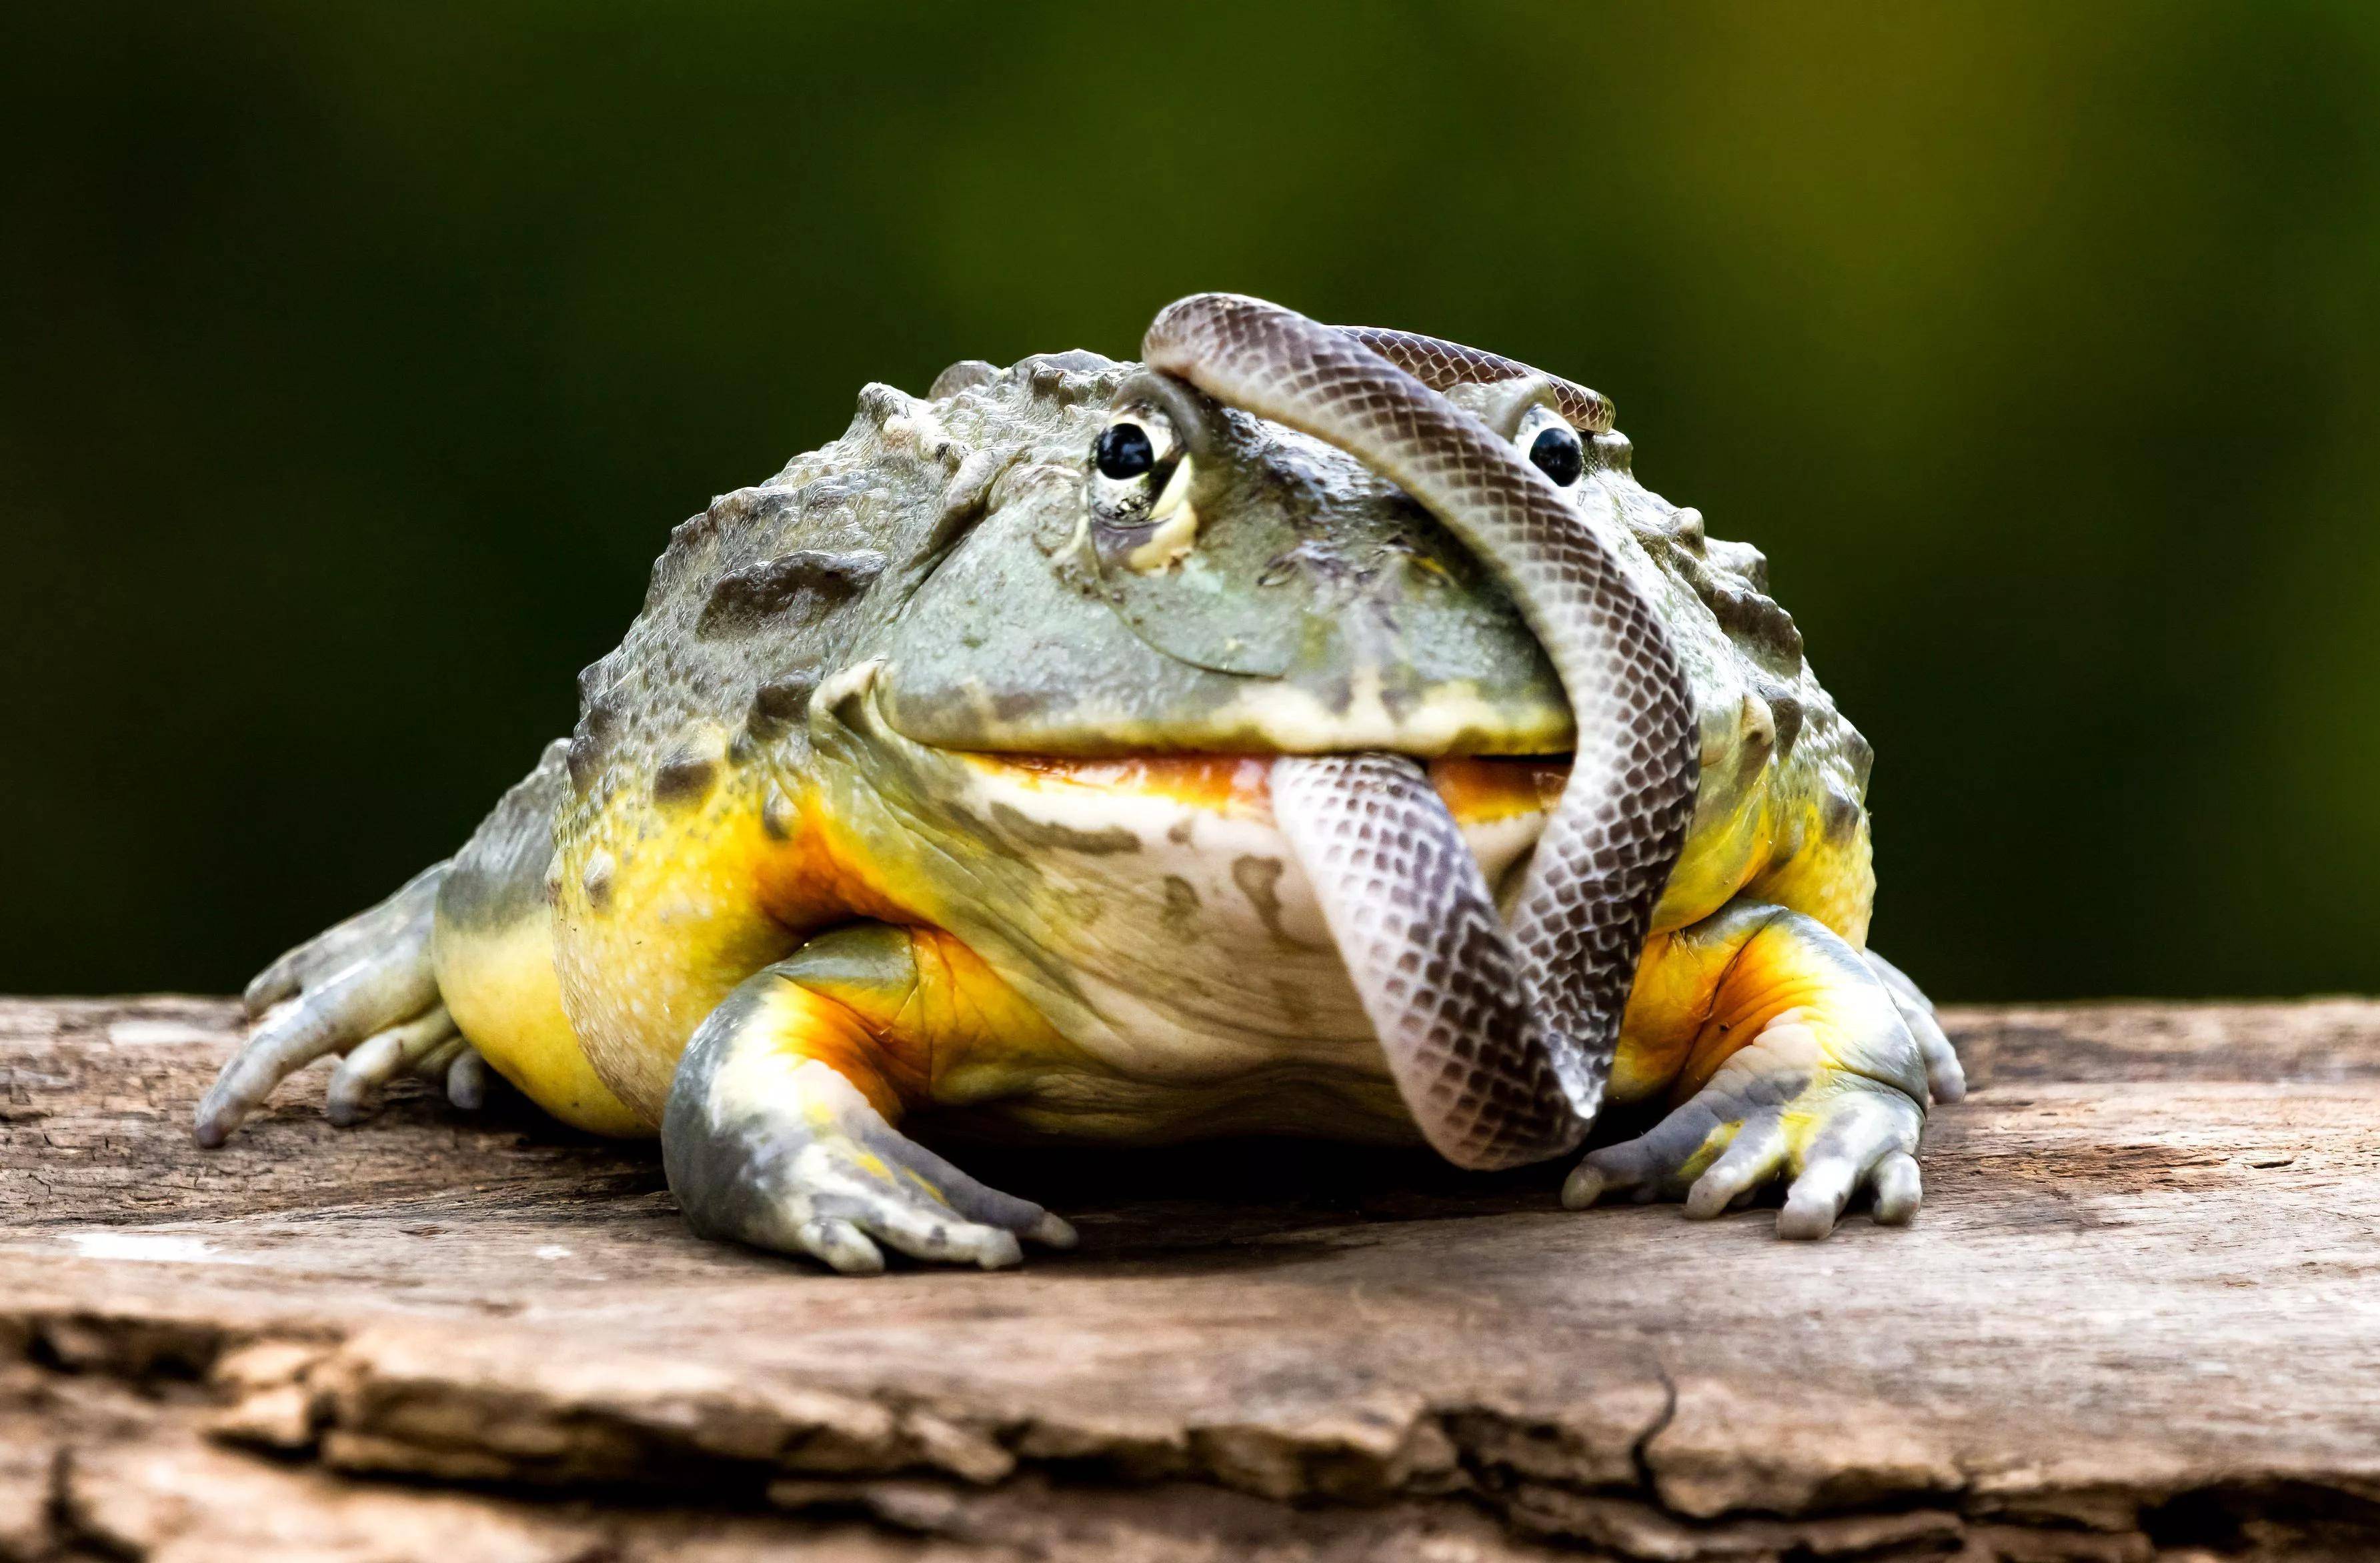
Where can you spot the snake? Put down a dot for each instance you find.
(1499, 1034)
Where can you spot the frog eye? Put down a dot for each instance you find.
(1139, 484)
(1552, 446)
(1123, 451)
(1131, 460)
(1136, 445)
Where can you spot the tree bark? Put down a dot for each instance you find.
(2137, 1318)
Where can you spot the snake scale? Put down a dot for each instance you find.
(1501, 1038)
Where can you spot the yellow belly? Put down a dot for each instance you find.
(499, 985)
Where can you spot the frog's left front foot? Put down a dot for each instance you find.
(1806, 1067)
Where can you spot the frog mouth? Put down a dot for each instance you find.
(1479, 790)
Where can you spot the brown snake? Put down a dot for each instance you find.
(1499, 1042)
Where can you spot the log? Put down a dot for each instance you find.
(2139, 1317)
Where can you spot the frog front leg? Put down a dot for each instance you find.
(781, 1126)
(1789, 1055)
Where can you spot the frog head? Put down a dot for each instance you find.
(1151, 571)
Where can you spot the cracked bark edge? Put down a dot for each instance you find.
(906, 1485)
(1638, 1456)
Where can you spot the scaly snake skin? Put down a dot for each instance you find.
(1418, 930)
(1500, 1048)
(1439, 364)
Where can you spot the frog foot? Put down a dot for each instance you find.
(363, 990)
(1827, 1088)
(768, 1143)
(1945, 1076)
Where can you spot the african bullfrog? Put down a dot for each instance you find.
(932, 787)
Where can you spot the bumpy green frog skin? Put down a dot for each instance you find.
(931, 790)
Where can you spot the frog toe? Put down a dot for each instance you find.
(383, 1057)
(1900, 1188)
(366, 937)
(927, 1208)
(1754, 1158)
(469, 1081)
(1945, 1076)
(1695, 1141)
(922, 1229)
(1647, 1164)
(365, 987)
(1866, 1142)
(840, 1245)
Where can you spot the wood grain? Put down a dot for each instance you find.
(2140, 1316)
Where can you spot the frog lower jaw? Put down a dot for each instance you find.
(1481, 792)
(1360, 713)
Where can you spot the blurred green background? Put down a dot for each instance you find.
(356, 361)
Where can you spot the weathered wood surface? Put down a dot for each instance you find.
(2139, 1316)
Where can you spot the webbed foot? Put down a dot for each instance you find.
(1828, 1091)
(364, 989)
(768, 1143)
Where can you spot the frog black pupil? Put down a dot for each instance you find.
(1558, 455)
(1123, 451)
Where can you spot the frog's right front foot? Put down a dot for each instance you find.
(770, 1143)
(364, 990)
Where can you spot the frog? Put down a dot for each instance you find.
(1029, 765)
